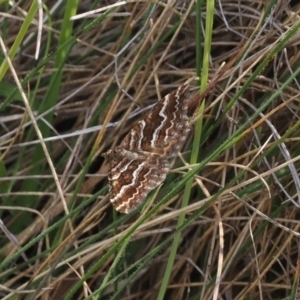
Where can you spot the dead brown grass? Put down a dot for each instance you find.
(245, 243)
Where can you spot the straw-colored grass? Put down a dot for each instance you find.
(224, 225)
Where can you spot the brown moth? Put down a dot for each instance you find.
(140, 162)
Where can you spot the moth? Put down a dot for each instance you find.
(140, 163)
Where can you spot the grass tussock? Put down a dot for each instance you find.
(224, 225)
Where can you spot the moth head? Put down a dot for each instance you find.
(114, 153)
